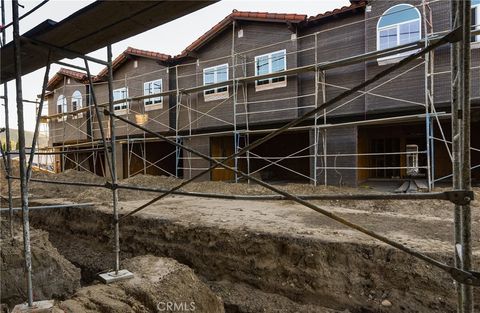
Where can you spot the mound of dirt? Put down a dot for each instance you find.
(80, 194)
(53, 275)
(158, 284)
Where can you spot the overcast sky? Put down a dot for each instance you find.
(170, 38)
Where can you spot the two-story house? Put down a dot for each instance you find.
(222, 92)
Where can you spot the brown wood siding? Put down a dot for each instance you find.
(341, 140)
(338, 38)
(254, 35)
(196, 164)
(409, 86)
(134, 78)
(69, 129)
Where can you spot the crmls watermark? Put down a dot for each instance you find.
(170, 306)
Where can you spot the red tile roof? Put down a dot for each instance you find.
(355, 4)
(239, 15)
(65, 72)
(299, 19)
(119, 60)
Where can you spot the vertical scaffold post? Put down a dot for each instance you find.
(315, 119)
(22, 155)
(429, 89)
(247, 115)
(113, 164)
(460, 64)
(467, 290)
(178, 152)
(324, 133)
(8, 144)
(236, 139)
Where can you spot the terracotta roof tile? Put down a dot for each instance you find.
(243, 15)
(235, 15)
(352, 7)
(119, 60)
(65, 72)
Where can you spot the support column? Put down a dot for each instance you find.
(113, 150)
(467, 290)
(22, 155)
(460, 63)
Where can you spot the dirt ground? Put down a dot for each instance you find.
(158, 284)
(251, 250)
(53, 275)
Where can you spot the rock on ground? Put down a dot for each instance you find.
(53, 275)
(158, 283)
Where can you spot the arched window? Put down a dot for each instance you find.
(61, 104)
(76, 100)
(398, 25)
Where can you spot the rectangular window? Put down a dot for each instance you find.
(388, 38)
(476, 19)
(150, 88)
(77, 105)
(62, 107)
(120, 94)
(409, 32)
(270, 63)
(391, 36)
(214, 75)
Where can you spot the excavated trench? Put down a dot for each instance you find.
(257, 271)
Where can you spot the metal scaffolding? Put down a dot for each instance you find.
(240, 128)
(460, 195)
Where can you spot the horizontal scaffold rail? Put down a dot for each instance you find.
(385, 120)
(454, 196)
(288, 72)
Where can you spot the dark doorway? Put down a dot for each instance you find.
(152, 158)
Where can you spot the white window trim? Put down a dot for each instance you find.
(216, 95)
(476, 44)
(397, 57)
(64, 108)
(271, 85)
(122, 111)
(78, 115)
(155, 106)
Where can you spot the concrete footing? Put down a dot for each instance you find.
(112, 277)
(45, 306)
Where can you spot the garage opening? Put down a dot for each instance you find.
(385, 151)
(79, 160)
(284, 158)
(152, 158)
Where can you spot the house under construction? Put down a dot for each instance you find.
(253, 72)
(374, 90)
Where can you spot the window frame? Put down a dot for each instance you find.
(154, 105)
(271, 84)
(397, 57)
(476, 8)
(121, 110)
(217, 93)
(64, 107)
(79, 104)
